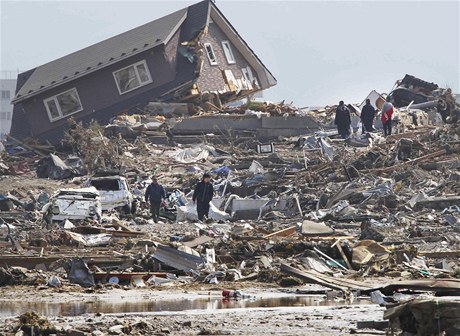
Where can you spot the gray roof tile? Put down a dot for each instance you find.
(101, 54)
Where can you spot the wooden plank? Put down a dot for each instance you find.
(30, 262)
(324, 280)
(439, 254)
(330, 259)
(339, 247)
(408, 135)
(198, 241)
(310, 277)
(123, 227)
(123, 233)
(325, 238)
(282, 233)
(296, 197)
(26, 146)
(438, 202)
(419, 159)
(128, 276)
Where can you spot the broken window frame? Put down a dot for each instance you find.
(227, 48)
(213, 59)
(247, 74)
(247, 78)
(59, 108)
(137, 76)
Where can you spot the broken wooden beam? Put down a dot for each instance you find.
(330, 259)
(419, 159)
(282, 233)
(325, 280)
(326, 238)
(439, 254)
(26, 146)
(128, 276)
(310, 277)
(377, 325)
(339, 247)
(31, 262)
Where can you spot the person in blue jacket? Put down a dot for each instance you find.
(155, 193)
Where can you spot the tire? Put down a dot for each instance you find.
(126, 209)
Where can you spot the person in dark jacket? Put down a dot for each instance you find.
(343, 120)
(202, 196)
(155, 193)
(367, 116)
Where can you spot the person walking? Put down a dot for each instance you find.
(202, 196)
(155, 193)
(367, 116)
(343, 120)
(387, 116)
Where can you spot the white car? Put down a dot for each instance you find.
(74, 204)
(114, 191)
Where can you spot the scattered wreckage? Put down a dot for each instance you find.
(114, 192)
(73, 204)
(370, 216)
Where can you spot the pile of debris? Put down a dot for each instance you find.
(320, 209)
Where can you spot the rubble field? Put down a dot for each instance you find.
(357, 235)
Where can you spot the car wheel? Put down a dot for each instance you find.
(133, 208)
(126, 209)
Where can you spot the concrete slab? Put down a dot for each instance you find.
(265, 127)
(289, 123)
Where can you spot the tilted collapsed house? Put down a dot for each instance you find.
(182, 57)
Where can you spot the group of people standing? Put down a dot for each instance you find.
(202, 197)
(368, 113)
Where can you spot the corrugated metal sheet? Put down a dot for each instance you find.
(177, 259)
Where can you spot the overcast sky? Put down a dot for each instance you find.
(319, 51)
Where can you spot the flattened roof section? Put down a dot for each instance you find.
(102, 54)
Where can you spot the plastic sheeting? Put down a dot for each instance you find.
(326, 148)
(193, 154)
(188, 212)
(79, 273)
(91, 240)
(256, 168)
(54, 168)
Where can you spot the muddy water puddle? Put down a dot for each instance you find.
(76, 308)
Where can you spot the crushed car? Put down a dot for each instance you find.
(115, 193)
(73, 204)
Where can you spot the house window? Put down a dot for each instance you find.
(247, 73)
(5, 94)
(132, 77)
(228, 52)
(63, 104)
(8, 115)
(211, 55)
(247, 79)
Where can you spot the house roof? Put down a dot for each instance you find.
(80, 63)
(101, 54)
(269, 79)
